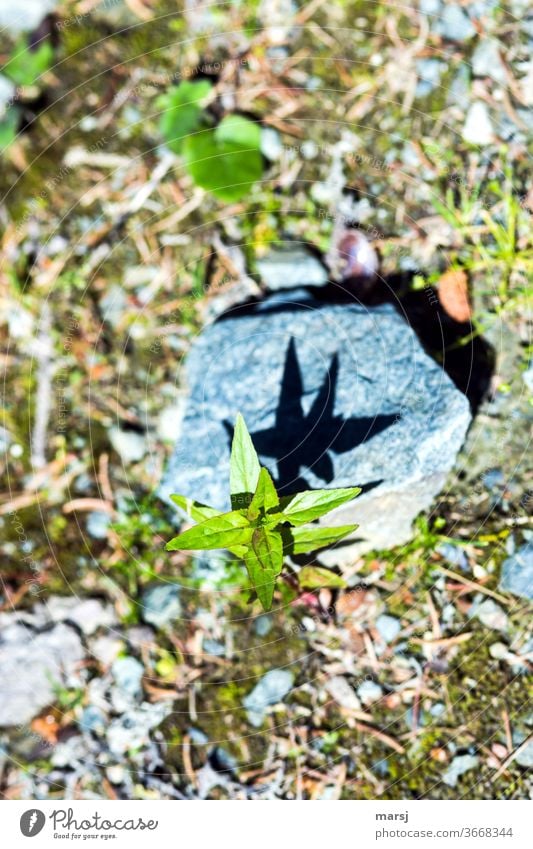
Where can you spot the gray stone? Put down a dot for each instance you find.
(128, 673)
(18, 17)
(478, 128)
(98, 524)
(369, 692)
(114, 305)
(453, 554)
(93, 720)
(170, 420)
(290, 266)
(486, 61)
(525, 756)
(343, 693)
(388, 627)
(491, 615)
(7, 90)
(270, 690)
(88, 614)
(333, 396)
(454, 23)
(527, 376)
(31, 665)
(161, 605)
(130, 445)
(197, 736)
(263, 625)
(271, 144)
(517, 572)
(106, 648)
(214, 648)
(429, 73)
(132, 730)
(457, 768)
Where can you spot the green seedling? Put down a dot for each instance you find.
(24, 67)
(224, 158)
(262, 528)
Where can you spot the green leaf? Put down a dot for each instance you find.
(225, 160)
(265, 496)
(223, 531)
(26, 65)
(183, 113)
(264, 563)
(197, 511)
(8, 128)
(316, 577)
(307, 506)
(244, 466)
(303, 540)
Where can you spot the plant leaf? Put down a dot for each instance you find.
(223, 531)
(183, 111)
(197, 511)
(244, 466)
(26, 65)
(265, 495)
(226, 160)
(8, 127)
(303, 540)
(264, 563)
(316, 577)
(307, 506)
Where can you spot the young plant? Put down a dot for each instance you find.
(262, 527)
(24, 68)
(223, 158)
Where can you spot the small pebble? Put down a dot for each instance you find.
(491, 615)
(128, 672)
(97, 524)
(115, 774)
(263, 625)
(160, 605)
(130, 445)
(369, 692)
(270, 690)
(457, 768)
(388, 627)
(478, 128)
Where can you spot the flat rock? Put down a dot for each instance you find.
(270, 690)
(31, 665)
(290, 266)
(18, 17)
(333, 396)
(161, 605)
(517, 572)
(458, 767)
(478, 128)
(343, 693)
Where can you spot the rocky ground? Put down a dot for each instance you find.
(127, 672)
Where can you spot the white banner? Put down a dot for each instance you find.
(309, 825)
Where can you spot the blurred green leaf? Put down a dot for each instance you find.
(198, 512)
(225, 160)
(8, 128)
(316, 577)
(183, 111)
(26, 64)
